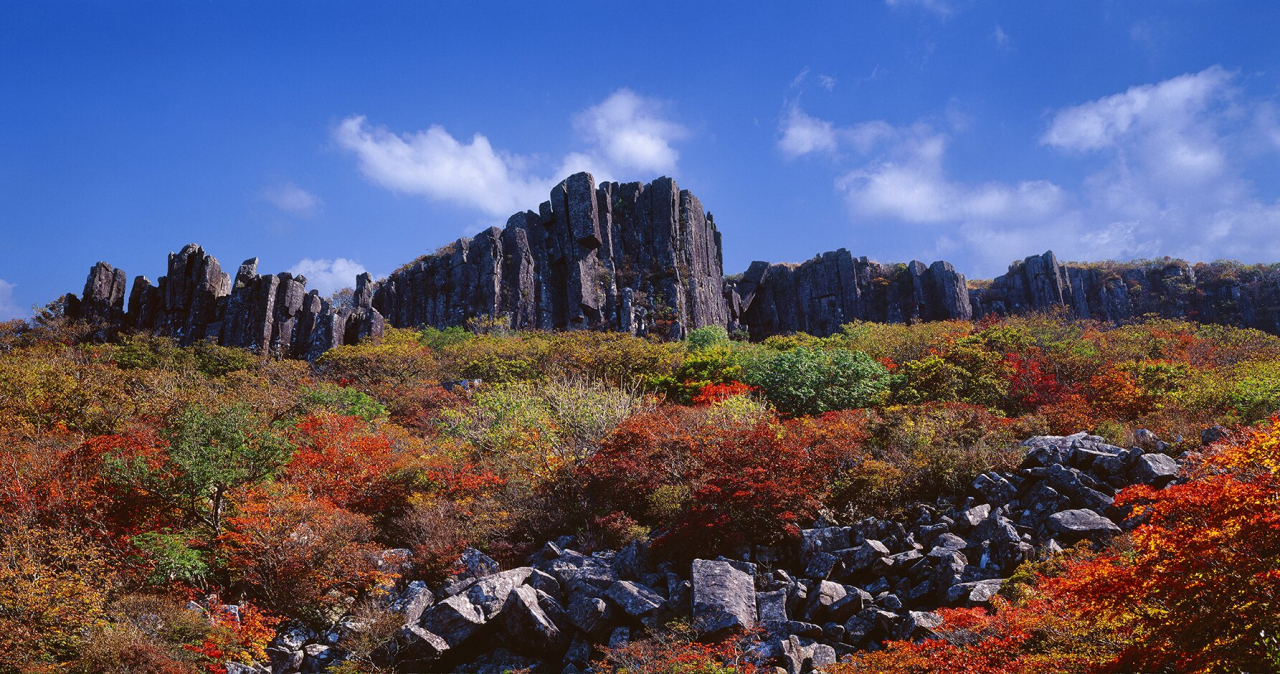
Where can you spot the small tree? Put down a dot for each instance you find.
(210, 454)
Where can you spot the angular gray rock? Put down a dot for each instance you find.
(724, 598)
(1074, 525)
(453, 620)
(634, 599)
(527, 624)
(1155, 469)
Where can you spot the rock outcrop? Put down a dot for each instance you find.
(835, 288)
(627, 257)
(196, 301)
(1222, 292)
(646, 259)
(836, 590)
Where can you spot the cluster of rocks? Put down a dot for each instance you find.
(196, 301)
(835, 288)
(626, 257)
(842, 589)
(643, 258)
(1116, 293)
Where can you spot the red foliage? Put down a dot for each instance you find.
(341, 459)
(300, 554)
(714, 393)
(239, 636)
(1031, 384)
(739, 485)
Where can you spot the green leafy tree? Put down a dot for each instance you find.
(210, 455)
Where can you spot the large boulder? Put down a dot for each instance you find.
(454, 620)
(634, 599)
(1074, 525)
(528, 626)
(724, 598)
(1155, 469)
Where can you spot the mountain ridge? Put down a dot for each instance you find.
(646, 258)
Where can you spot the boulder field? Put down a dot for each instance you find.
(837, 589)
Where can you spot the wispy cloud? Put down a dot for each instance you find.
(1171, 180)
(1000, 37)
(8, 306)
(631, 133)
(291, 199)
(827, 82)
(942, 8)
(625, 133)
(328, 276)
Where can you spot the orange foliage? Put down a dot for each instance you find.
(300, 554)
(1199, 590)
(341, 459)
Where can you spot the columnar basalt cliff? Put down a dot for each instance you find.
(196, 301)
(645, 259)
(835, 288)
(628, 257)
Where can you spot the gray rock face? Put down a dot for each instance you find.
(103, 297)
(1080, 523)
(453, 620)
(1155, 469)
(724, 598)
(1169, 288)
(528, 626)
(634, 599)
(195, 301)
(642, 259)
(628, 257)
(835, 288)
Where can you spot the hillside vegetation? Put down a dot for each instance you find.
(173, 510)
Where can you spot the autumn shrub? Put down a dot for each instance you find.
(676, 649)
(350, 463)
(343, 400)
(123, 649)
(755, 483)
(918, 453)
(899, 342)
(381, 367)
(209, 454)
(615, 358)
(534, 430)
(303, 556)
(53, 591)
(807, 380)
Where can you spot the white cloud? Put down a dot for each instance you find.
(1163, 172)
(624, 134)
(803, 134)
(827, 82)
(942, 8)
(435, 165)
(630, 133)
(328, 275)
(1001, 38)
(8, 306)
(292, 200)
(907, 183)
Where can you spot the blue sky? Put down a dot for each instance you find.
(331, 138)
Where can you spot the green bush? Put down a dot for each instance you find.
(806, 380)
(343, 400)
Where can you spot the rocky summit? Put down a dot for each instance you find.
(646, 258)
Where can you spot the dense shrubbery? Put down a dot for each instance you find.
(139, 475)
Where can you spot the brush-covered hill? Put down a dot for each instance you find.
(1031, 494)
